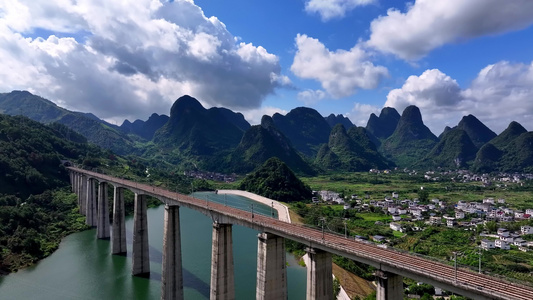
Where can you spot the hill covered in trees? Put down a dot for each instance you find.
(275, 180)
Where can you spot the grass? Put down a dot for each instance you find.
(374, 217)
(352, 284)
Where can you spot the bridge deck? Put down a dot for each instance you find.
(464, 282)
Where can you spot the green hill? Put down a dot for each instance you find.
(276, 181)
(383, 126)
(262, 142)
(339, 119)
(351, 151)
(453, 151)
(476, 130)
(411, 141)
(145, 129)
(197, 131)
(305, 128)
(39, 109)
(504, 139)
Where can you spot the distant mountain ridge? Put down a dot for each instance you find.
(411, 141)
(145, 129)
(218, 139)
(39, 109)
(305, 128)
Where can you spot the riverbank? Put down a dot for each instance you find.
(282, 209)
(362, 288)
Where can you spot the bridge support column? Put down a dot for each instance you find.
(140, 255)
(79, 189)
(171, 269)
(389, 286)
(319, 275)
(83, 194)
(77, 186)
(119, 223)
(90, 216)
(103, 211)
(271, 267)
(222, 276)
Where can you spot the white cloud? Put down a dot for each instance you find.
(501, 93)
(128, 59)
(330, 9)
(431, 89)
(361, 112)
(341, 72)
(429, 24)
(310, 97)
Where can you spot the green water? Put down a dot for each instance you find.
(83, 267)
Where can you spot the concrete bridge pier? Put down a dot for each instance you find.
(389, 286)
(76, 186)
(71, 178)
(271, 267)
(83, 194)
(171, 269)
(140, 255)
(222, 275)
(319, 275)
(90, 199)
(119, 223)
(103, 211)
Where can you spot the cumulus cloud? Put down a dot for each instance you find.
(340, 72)
(330, 9)
(122, 59)
(501, 93)
(310, 97)
(429, 24)
(361, 112)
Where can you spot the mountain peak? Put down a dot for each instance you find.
(383, 126)
(476, 130)
(411, 115)
(184, 104)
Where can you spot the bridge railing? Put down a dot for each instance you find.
(344, 248)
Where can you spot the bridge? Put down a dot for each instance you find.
(391, 265)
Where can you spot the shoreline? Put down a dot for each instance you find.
(282, 209)
(283, 215)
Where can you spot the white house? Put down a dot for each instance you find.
(503, 232)
(396, 227)
(450, 222)
(501, 244)
(435, 220)
(459, 214)
(520, 242)
(488, 200)
(487, 244)
(395, 195)
(526, 229)
(519, 215)
(529, 211)
(396, 217)
(508, 239)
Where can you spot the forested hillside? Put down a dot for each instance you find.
(36, 207)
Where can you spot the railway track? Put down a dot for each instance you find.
(462, 279)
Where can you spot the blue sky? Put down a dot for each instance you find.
(451, 58)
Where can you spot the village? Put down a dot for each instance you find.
(408, 214)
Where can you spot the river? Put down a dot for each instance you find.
(83, 267)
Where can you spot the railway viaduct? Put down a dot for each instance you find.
(391, 265)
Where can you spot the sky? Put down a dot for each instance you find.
(128, 59)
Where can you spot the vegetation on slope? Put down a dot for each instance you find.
(275, 180)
